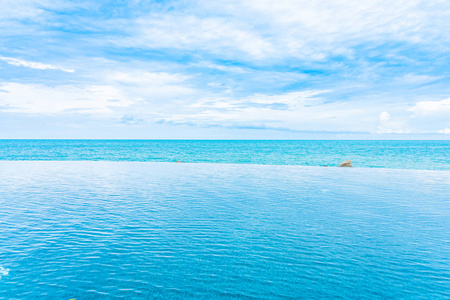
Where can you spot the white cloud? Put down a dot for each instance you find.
(33, 65)
(34, 9)
(19, 9)
(267, 29)
(416, 79)
(199, 72)
(425, 117)
(40, 99)
(156, 90)
(353, 20)
(302, 110)
(141, 77)
(386, 125)
(444, 131)
(384, 117)
(208, 34)
(432, 109)
(290, 100)
(224, 68)
(144, 92)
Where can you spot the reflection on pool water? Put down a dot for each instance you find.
(107, 230)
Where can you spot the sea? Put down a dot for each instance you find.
(420, 155)
(105, 219)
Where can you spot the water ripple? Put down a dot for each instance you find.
(98, 230)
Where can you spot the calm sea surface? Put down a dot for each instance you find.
(420, 155)
(140, 230)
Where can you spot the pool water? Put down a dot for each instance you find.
(142, 230)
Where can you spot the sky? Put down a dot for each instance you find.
(225, 69)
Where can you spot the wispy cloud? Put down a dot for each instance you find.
(288, 65)
(291, 29)
(39, 99)
(33, 65)
(296, 111)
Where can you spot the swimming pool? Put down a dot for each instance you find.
(140, 230)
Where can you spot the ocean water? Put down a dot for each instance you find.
(420, 155)
(140, 230)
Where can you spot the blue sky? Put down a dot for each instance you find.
(225, 69)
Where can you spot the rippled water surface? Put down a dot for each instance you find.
(419, 155)
(107, 230)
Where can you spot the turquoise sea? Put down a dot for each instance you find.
(105, 220)
(420, 155)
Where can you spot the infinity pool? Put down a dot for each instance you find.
(140, 230)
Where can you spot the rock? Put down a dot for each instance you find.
(347, 163)
(325, 165)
